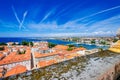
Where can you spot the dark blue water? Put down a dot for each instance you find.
(49, 40)
(16, 39)
(33, 39)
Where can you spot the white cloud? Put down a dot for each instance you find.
(105, 27)
(110, 24)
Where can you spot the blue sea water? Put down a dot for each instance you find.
(91, 46)
(49, 40)
(33, 39)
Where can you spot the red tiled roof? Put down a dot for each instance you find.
(1, 70)
(38, 55)
(14, 57)
(16, 70)
(61, 47)
(1, 75)
(1, 55)
(44, 48)
(46, 63)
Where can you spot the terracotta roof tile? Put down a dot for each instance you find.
(46, 63)
(38, 55)
(1, 55)
(44, 48)
(16, 70)
(61, 47)
(1, 75)
(14, 57)
(1, 70)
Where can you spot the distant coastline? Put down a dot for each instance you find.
(52, 40)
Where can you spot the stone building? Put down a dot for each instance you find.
(13, 59)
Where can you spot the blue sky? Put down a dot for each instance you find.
(37, 18)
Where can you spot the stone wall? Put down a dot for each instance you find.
(45, 58)
(24, 63)
(111, 74)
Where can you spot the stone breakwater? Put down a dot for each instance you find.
(103, 65)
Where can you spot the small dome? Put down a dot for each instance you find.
(118, 31)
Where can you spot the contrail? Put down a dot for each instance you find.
(20, 22)
(16, 16)
(47, 15)
(106, 10)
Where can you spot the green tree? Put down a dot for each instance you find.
(93, 42)
(115, 40)
(2, 43)
(25, 43)
(103, 42)
(71, 45)
(70, 49)
(50, 45)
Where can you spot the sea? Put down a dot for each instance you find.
(52, 40)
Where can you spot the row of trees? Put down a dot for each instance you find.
(22, 43)
(71, 47)
(2, 43)
(25, 43)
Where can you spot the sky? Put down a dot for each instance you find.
(51, 18)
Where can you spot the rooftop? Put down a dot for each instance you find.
(46, 63)
(16, 70)
(61, 47)
(14, 57)
(88, 67)
(38, 55)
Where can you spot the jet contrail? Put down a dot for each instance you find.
(47, 15)
(106, 10)
(21, 23)
(16, 16)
